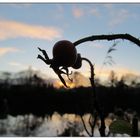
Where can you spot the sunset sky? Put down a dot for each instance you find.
(24, 27)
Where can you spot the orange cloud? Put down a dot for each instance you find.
(13, 29)
(4, 51)
(77, 12)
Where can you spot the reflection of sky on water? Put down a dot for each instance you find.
(30, 125)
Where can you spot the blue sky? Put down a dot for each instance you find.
(24, 27)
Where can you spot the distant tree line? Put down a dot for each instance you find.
(31, 94)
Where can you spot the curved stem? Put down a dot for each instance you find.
(109, 38)
(95, 102)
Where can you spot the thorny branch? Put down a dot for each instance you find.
(109, 38)
(95, 103)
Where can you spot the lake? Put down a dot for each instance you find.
(49, 126)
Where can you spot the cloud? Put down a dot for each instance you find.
(13, 29)
(77, 12)
(120, 71)
(123, 71)
(15, 64)
(103, 74)
(22, 66)
(60, 8)
(118, 17)
(95, 12)
(18, 65)
(4, 51)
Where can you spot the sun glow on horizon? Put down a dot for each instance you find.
(59, 84)
(81, 78)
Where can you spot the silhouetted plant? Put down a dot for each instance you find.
(65, 56)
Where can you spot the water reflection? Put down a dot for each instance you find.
(55, 125)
